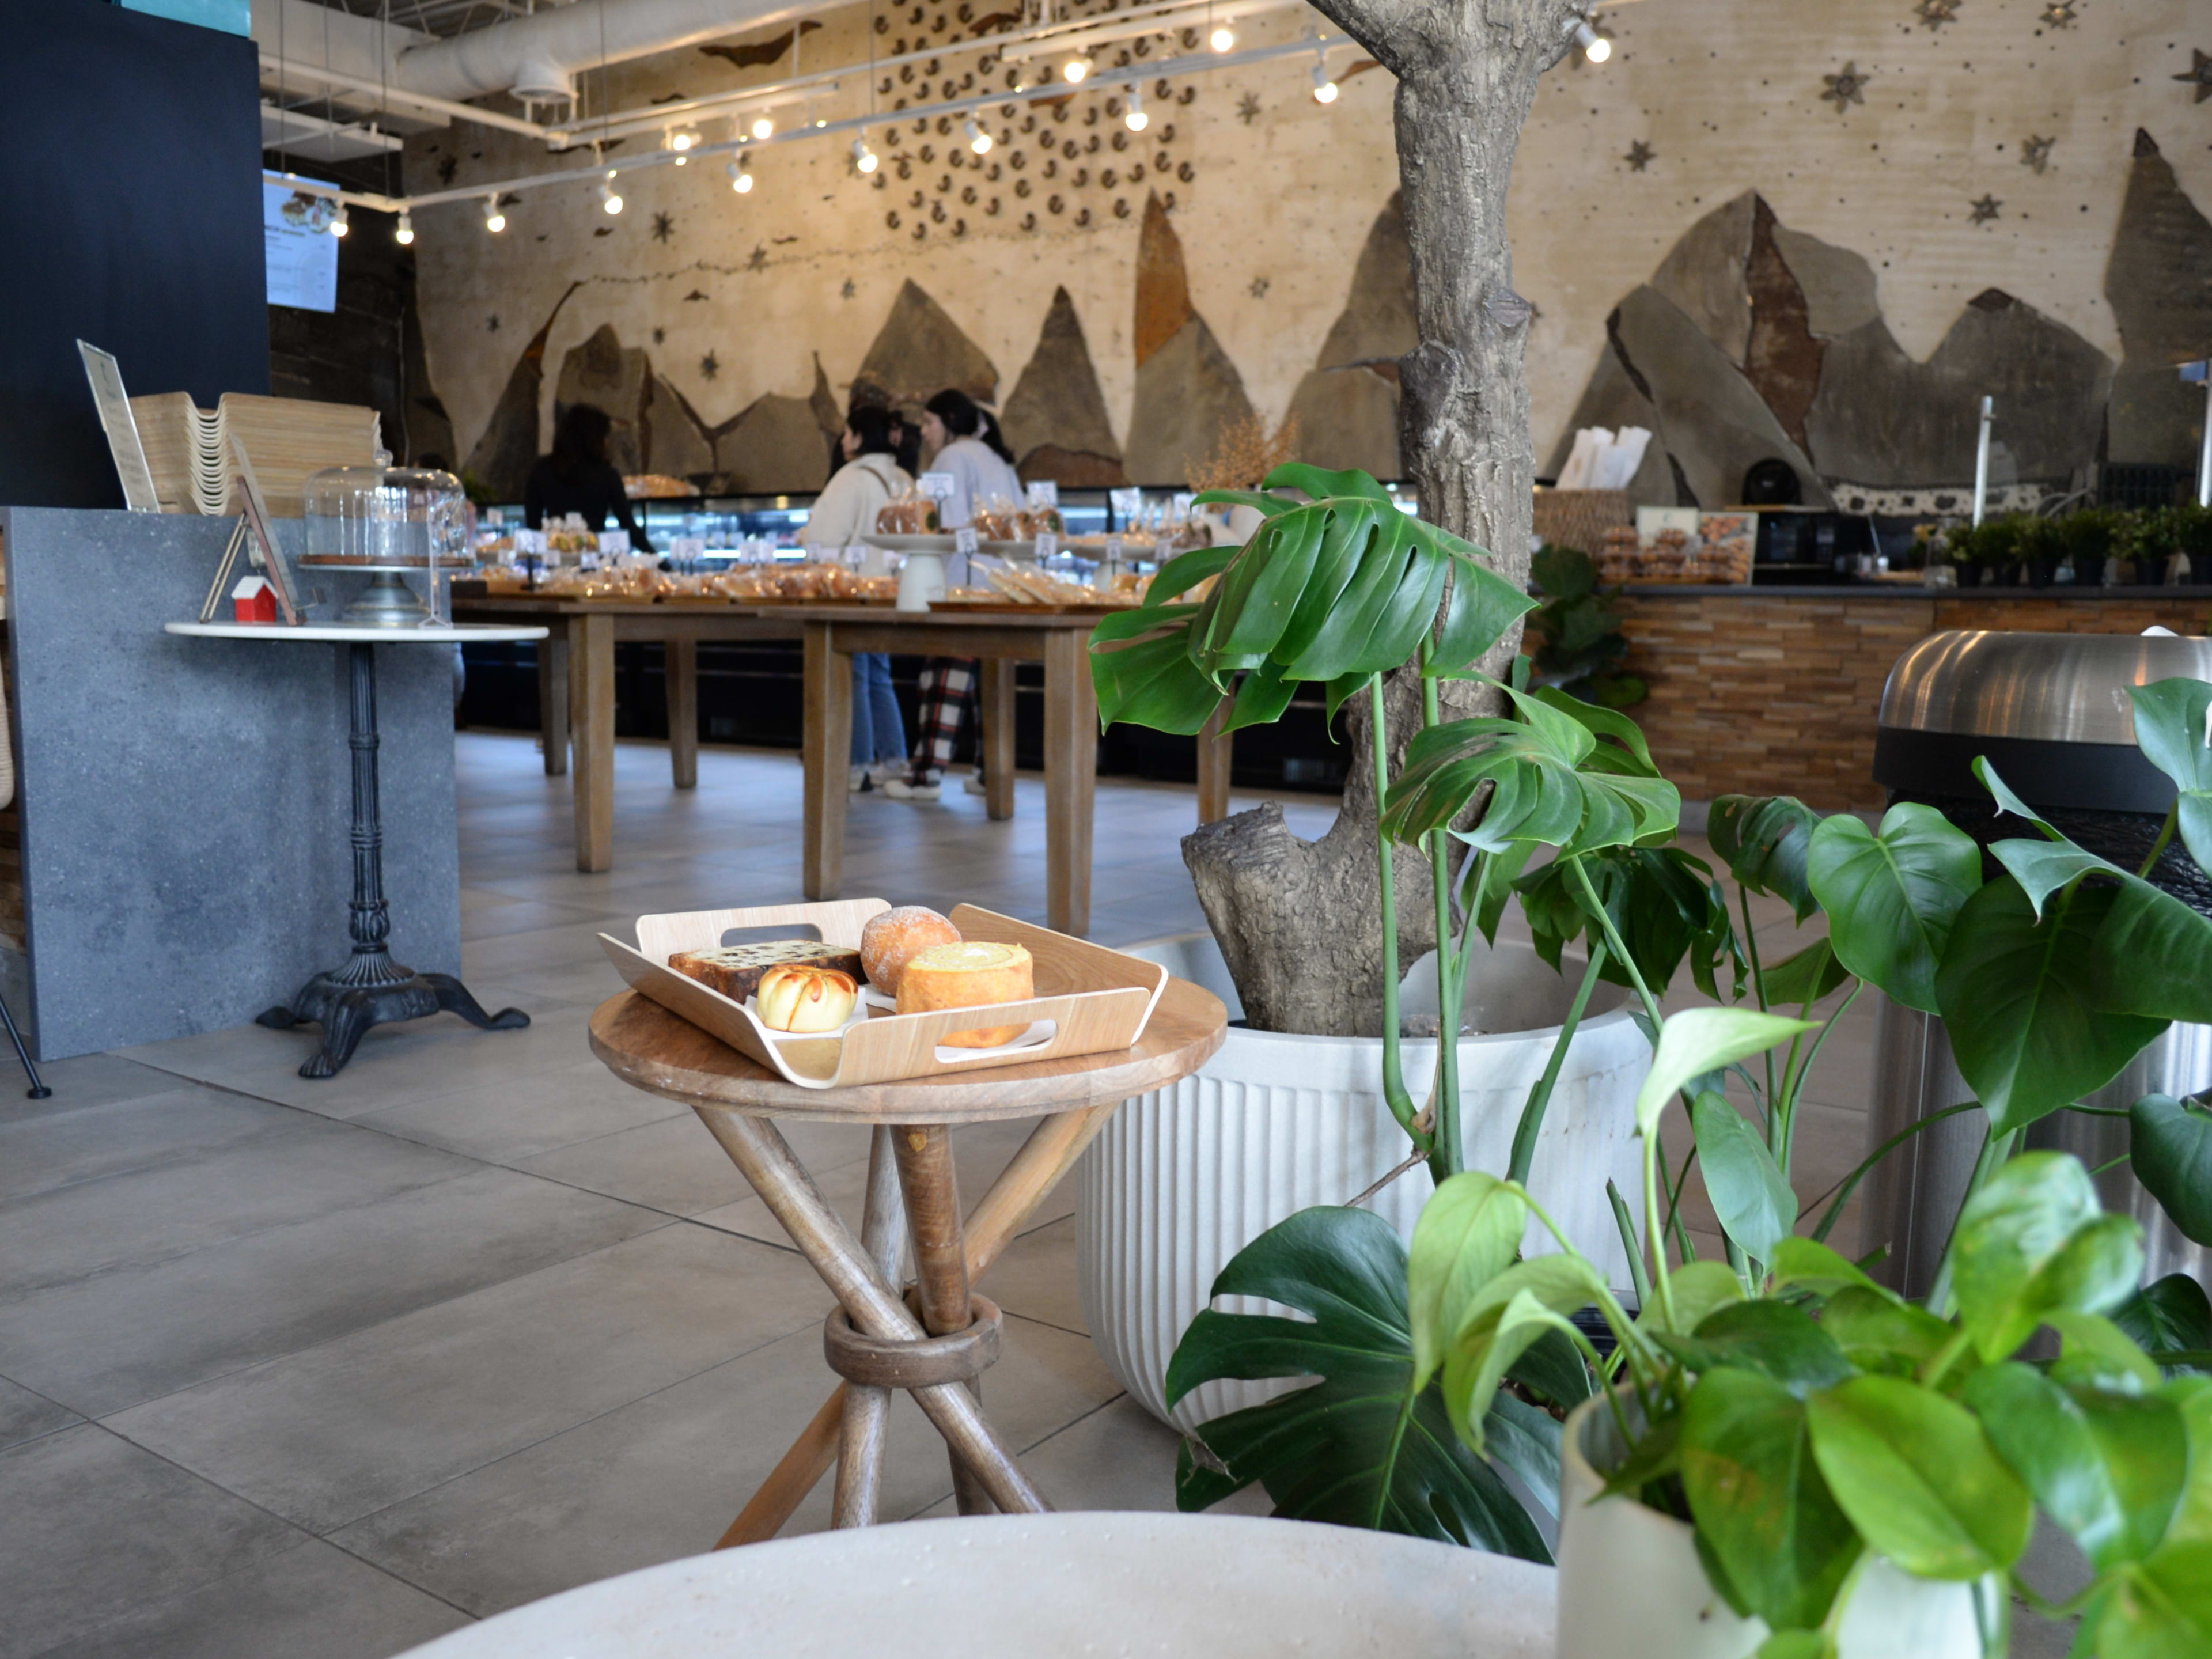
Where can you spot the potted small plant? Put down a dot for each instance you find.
(2143, 542)
(2088, 537)
(2038, 548)
(2193, 536)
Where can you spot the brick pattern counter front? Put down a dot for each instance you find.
(1776, 691)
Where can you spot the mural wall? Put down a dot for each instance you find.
(1755, 234)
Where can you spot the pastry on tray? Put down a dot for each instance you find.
(969, 974)
(735, 970)
(794, 998)
(893, 936)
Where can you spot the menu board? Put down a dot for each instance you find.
(302, 255)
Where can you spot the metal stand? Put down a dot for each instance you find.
(38, 1091)
(371, 989)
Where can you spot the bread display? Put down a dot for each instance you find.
(969, 975)
(891, 938)
(910, 514)
(735, 970)
(794, 998)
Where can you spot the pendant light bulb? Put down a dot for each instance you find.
(1136, 120)
(764, 126)
(404, 234)
(978, 140)
(740, 180)
(1075, 70)
(495, 220)
(338, 226)
(680, 142)
(1224, 38)
(1324, 88)
(863, 157)
(1595, 46)
(609, 198)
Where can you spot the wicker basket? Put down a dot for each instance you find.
(1580, 518)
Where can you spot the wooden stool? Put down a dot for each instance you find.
(937, 1346)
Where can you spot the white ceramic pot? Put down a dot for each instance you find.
(1630, 1583)
(1182, 1179)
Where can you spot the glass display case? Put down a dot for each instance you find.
(406, 527)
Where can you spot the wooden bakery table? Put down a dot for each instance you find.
(937, 1344)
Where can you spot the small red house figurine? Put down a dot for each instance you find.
(254, 600)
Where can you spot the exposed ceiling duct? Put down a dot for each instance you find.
(536, 59)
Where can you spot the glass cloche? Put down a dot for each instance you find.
(393, 520)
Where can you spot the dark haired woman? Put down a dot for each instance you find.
(577, 477)
(843, 514)
(969, 448)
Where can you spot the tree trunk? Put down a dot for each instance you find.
(1297, 920)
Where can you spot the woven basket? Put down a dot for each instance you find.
(1580, 518)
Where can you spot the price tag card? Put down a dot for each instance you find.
(938, 486)
(1113, 549)
(1048, 544)
(964, 539)
(688, 547)
(531, 541)
(1128, 504)
(1044, 492)
(614, 540)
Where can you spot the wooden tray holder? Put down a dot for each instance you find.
(1097, 999)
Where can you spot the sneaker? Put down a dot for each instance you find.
(908, 789)
(856, 782)
(883, 771)
(973, 784)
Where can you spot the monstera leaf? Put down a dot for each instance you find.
(1892, 895)
(1362, 1446)
(2173, 728)
(1764, 840)
(1663, 900)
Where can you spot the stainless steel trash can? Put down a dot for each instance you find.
(2051, 712)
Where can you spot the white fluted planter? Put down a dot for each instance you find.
(1182, 1179)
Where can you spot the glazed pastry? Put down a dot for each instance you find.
(735, 970)
(889, 939)
(969, 975)
(796, 999)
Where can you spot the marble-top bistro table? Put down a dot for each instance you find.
(371, 988)
(1050, 1587)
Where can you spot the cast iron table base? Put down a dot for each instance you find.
(371, 989)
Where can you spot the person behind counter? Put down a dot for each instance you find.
(577, 478)
(969, 448)
(843, 514)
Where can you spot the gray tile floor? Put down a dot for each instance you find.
(292, 1367)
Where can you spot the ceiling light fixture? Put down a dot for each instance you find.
(495, 220)
(740, 180)
(1223, 39)
(608, 197)
(863, 157)
(763, 124)
(1136, 120)
(404, 233)
(1595, 46)
(338, 226)
(978, 140)
(1324, 88)
(681, 141)
(1075, 70)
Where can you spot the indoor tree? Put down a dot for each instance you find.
(1295, 918)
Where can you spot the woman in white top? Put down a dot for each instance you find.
(844, 513)
(968, 448)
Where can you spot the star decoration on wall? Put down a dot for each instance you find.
(1248, 108)
(708, 367)
(2201, 73)
(1985, 211)
(757, 259)
(664, 227)
(849, 290)
(1846, 88)
(1640, 155)
(2059, 15)
(1259, 287)
(659, 335)
(2036, 152)
(491, 324)
(447, 166)
(1937, 13)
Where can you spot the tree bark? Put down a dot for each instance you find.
(1297, 920)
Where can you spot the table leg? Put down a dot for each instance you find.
(762, 1157)
(1215, 751)
(827, 747)
(1070, 779)
(553, 699)
(680, 677)
(867, 1410)
(941, 1260)
(1025, 1183)
(592, 677)
(996, 711)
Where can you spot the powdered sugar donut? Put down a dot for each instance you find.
(890, 938)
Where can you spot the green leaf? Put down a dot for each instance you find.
(1749, 1194)
(1321, 483)
(1662, 901)
(1919, 1478)
(2153, 956)
(2041, 867)
(1184, 572)
(1759, 1501)
(2033, 1242)
(2023, 1011)
(1268, 505)
(1803, 979)
(1563, 573)
(2192, 1398)
(2163, 1608)
(1603, 723)
(1701, 1040)
(2170, 1149)
(2174, 729)
(1804, 1264)
(1469, 1232)
(2094, 1353)
(1776, 1339)
(2008, 802)
(1892, 898)
(1362, 1446)
(1655, 1456)
(1766, 841)
(1141, 669)
(2108, 1467)
(1501, 1322)
(1878, 1333)
(2171, 1314)
(1699, 1288)
(1261, 699)
(1481, 607)
(1798, 1644)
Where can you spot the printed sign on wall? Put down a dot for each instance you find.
(302, 254)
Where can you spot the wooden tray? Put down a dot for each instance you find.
(1089, 1000)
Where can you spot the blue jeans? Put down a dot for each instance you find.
(878, 732)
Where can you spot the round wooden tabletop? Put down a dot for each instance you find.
(650, 1048)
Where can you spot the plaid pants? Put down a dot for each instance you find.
(948, 687)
